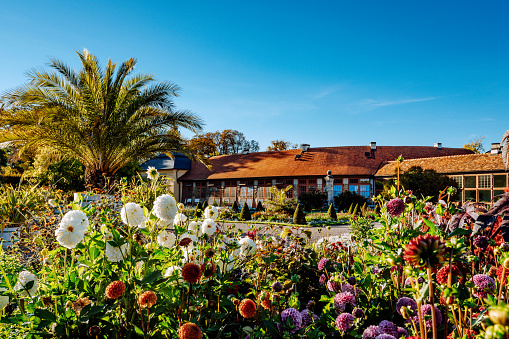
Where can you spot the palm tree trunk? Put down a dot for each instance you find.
(98, 179)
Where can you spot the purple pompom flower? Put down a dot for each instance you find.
(482, 282)
(295, 320)
(385, 336)
(395, 207)
(358, 313)
(344, 298)
(388, 327)
(322, 263)
(371, 332)
(426, 311)
(277, 286)
(344, 321)
(333, 286)
(322, 279)
(481, 242)
(408, 302)
(402, 332)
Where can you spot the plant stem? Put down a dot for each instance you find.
(432, 300)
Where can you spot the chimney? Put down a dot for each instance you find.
(495, 148)
(372, 145)
(304, 147)
(438, 145)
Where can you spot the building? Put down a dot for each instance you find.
(480, 177)
(173, 169)
(248, 177)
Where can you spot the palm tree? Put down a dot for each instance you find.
(103, 118)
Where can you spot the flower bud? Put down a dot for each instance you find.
(236, 302)
(405, 312)
(499, 316)
(504, 247)
(506, 263)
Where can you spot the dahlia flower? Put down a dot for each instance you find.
(295, 319)
(333, 286)
(385, 336)
(79, 304)
(165, 207)
(247, 308)
(70, 232)
(402, 332)
(191, 273)
(426, 311)
(407, 302)
(277, 286)
(208, 227)
(425, 249)
(352, 289)
(174, 272)
(227, 264)
(247, 247)
(265, 300)
(190, 331)
(371, 332)
(358, 313)
(74, 214)
(307, 317)
(388, 327)
(443, 274)
(191, 240)
(116, 254)
(483, 282)
(211, 212)
(322, 263)
(322, 278)
(132, 214)
(194, 227)
(180, 218)
(344, 321)
(152, 173)
(147, 299)
(166, 239)
(481, 242)
(192, 255)
(208, 268)
(344, 298)
(22, 285)
(395, 207)
(4, 299)
(115, 289)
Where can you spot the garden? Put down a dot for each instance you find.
(132, 264)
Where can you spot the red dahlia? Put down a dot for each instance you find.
(115, 289)
(190, 331)
(191, 273)
(247, 308)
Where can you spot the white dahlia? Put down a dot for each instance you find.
(180, 217)
(152, 173)
(4, 299)
(76, 215)
(175, 273)
(24, 278)
(247, 246)
(192, 255)
(116, 254)
(208, 227)
(70, 232)
(194, 227)
(166, 239)
(211, 212)
(165, 207)
(227, 264)
(132, 214)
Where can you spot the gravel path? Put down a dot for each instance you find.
(334, 230)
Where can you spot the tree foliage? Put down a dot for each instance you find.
(279, 201)
(312, 200)
(299, 218)
(281, 145)
(228, 141)
(475, 145)
(102, 117)
(332, 212)
(245, 214)
(424, 182)
(347, 199)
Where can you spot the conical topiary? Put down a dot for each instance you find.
(259, 207)
(332, 212)
(245, 214)
(235, 207)
(299, 217)
(198, 210)
(204, 206)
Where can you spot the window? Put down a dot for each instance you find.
(312, 188)
(312, 181)
(289, 194)
(364, 191)
(302, 181)
(484, 195)
(338, 181)
(499, 180)
(484, 181)
(354, 181)
(470, 195)
(288, 182)
(302, 189)
(338, 189)
(364, 180)
(470, 182)
(354, 188)
(458, 179)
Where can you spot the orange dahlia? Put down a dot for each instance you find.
(443, 274)
(190, 331)
(191, 273)
(247, 308)
(147, 299)
(115, 289)
(425, 249)
(265, 300)
(502, 279)
(208, 268)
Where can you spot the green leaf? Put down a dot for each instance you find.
(479, 317)
(271, 328)
(138, 330)
(151, 277)
(433, 229)
(459, 231)
(45, 314)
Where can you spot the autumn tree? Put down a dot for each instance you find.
(475, 145)
(225, 142)
(281, 145)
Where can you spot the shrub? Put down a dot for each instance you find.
(198, 211)
(235, 207)
(312, 200)
(204, 205)
(245, 214)
(332, 212)
(67, 175)
(298, 217)
(259, 207)
(347, 199)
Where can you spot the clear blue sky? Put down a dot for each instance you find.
(327, 73)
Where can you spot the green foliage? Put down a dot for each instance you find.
(16, 203)
(332, 212)
(299, 217)
(424, 182)
(346, 199)
(204, 205)
(67, 175)
(279, 202)
(198, 210)
(245, 214)
(313, 200)
(259, 207)
(235, 207)
(3, 157)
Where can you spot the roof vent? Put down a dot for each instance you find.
(438, 145)
(372, 145)
(495, 148)
(297, 157)
(304, 147)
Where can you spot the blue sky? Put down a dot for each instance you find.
(327, 73)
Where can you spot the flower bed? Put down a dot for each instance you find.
(119, 269)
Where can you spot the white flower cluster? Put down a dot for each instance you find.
(152, 173)
(132, 215)
(24, 278)
(175, 272)
(116, 254)
(72, 229)
(165, 207)
(247, 247)
(211, 212)
(166, 239)
(4, 299)
(208, 227)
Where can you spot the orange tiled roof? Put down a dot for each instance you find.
(469, 163)
(342, 161)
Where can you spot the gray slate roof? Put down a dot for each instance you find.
(164, 162)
